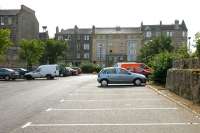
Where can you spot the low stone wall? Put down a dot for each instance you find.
(187, 63)
(185, 83)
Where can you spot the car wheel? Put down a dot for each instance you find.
(48, 77)
(138, 82)
(104, 83)
(29, 77)
(7, 78)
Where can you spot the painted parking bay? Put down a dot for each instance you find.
(116, 109)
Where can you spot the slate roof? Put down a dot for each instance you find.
(117, 30)
(103, 30)
(80, 31)
(9, 12)
(162, 27)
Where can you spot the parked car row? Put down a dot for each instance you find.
(7, 74)
(43, 71)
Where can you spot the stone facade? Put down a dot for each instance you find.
(23, 25)
(117, 44)
(80, 44)
(177, 32)
(184, 79)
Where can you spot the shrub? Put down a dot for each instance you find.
(161, 63)
(98, 68)
(90, 68)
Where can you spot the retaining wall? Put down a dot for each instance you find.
(184, 79)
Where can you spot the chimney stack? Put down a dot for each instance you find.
(118, 28)
(76, 29)
(93, 29)
(176, 24)
(57, 29)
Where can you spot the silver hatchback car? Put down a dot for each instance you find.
(116, 75)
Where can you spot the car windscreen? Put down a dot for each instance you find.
(110, 71)
(9, 69)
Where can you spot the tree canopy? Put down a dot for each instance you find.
(53, 50)
(5, 41)
(155, 46)
(197, 39)
(31, 51)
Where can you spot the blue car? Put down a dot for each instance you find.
(116, 75)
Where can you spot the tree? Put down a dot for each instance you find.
(182, 52)
(160, 64)
(197, 39)
(5, 41)
(53, 50)
(155, 46)
(31, 51)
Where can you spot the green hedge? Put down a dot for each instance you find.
(90, 68)
(160, 64)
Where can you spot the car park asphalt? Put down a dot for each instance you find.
(77, 104)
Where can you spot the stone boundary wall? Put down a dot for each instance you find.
(187, 63)
(184, 79)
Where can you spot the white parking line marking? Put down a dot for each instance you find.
(26, 125)
(113, 100)
(113, 94)
(62, 100)
(113, 124)
(108, 109)
(49, 109)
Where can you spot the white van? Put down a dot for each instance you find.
(44, 71)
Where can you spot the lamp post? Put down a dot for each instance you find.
(189, 44)
(100, 46)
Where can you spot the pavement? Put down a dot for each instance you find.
(79, 105)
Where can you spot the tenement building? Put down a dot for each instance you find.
(109, 45)
(177, 32)
(118, 44)
(79, 44)
(23, 25)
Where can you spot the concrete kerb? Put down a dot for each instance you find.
(182, 104)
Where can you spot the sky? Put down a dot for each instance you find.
(110, 13)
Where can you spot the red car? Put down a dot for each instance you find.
(77, 69)
(73, 72)
(135, 67)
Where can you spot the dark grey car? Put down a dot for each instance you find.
(115, 75)
(7, 74)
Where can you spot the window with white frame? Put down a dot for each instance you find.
(148, 34)
(100, 51)
(169, 33)
(86, 46)
(86, 37)
(78, 46)
(60, 37)
(86, 55)
(9, 20)
(184, 33)
(1, 20)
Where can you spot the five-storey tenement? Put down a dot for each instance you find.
(23, 25)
